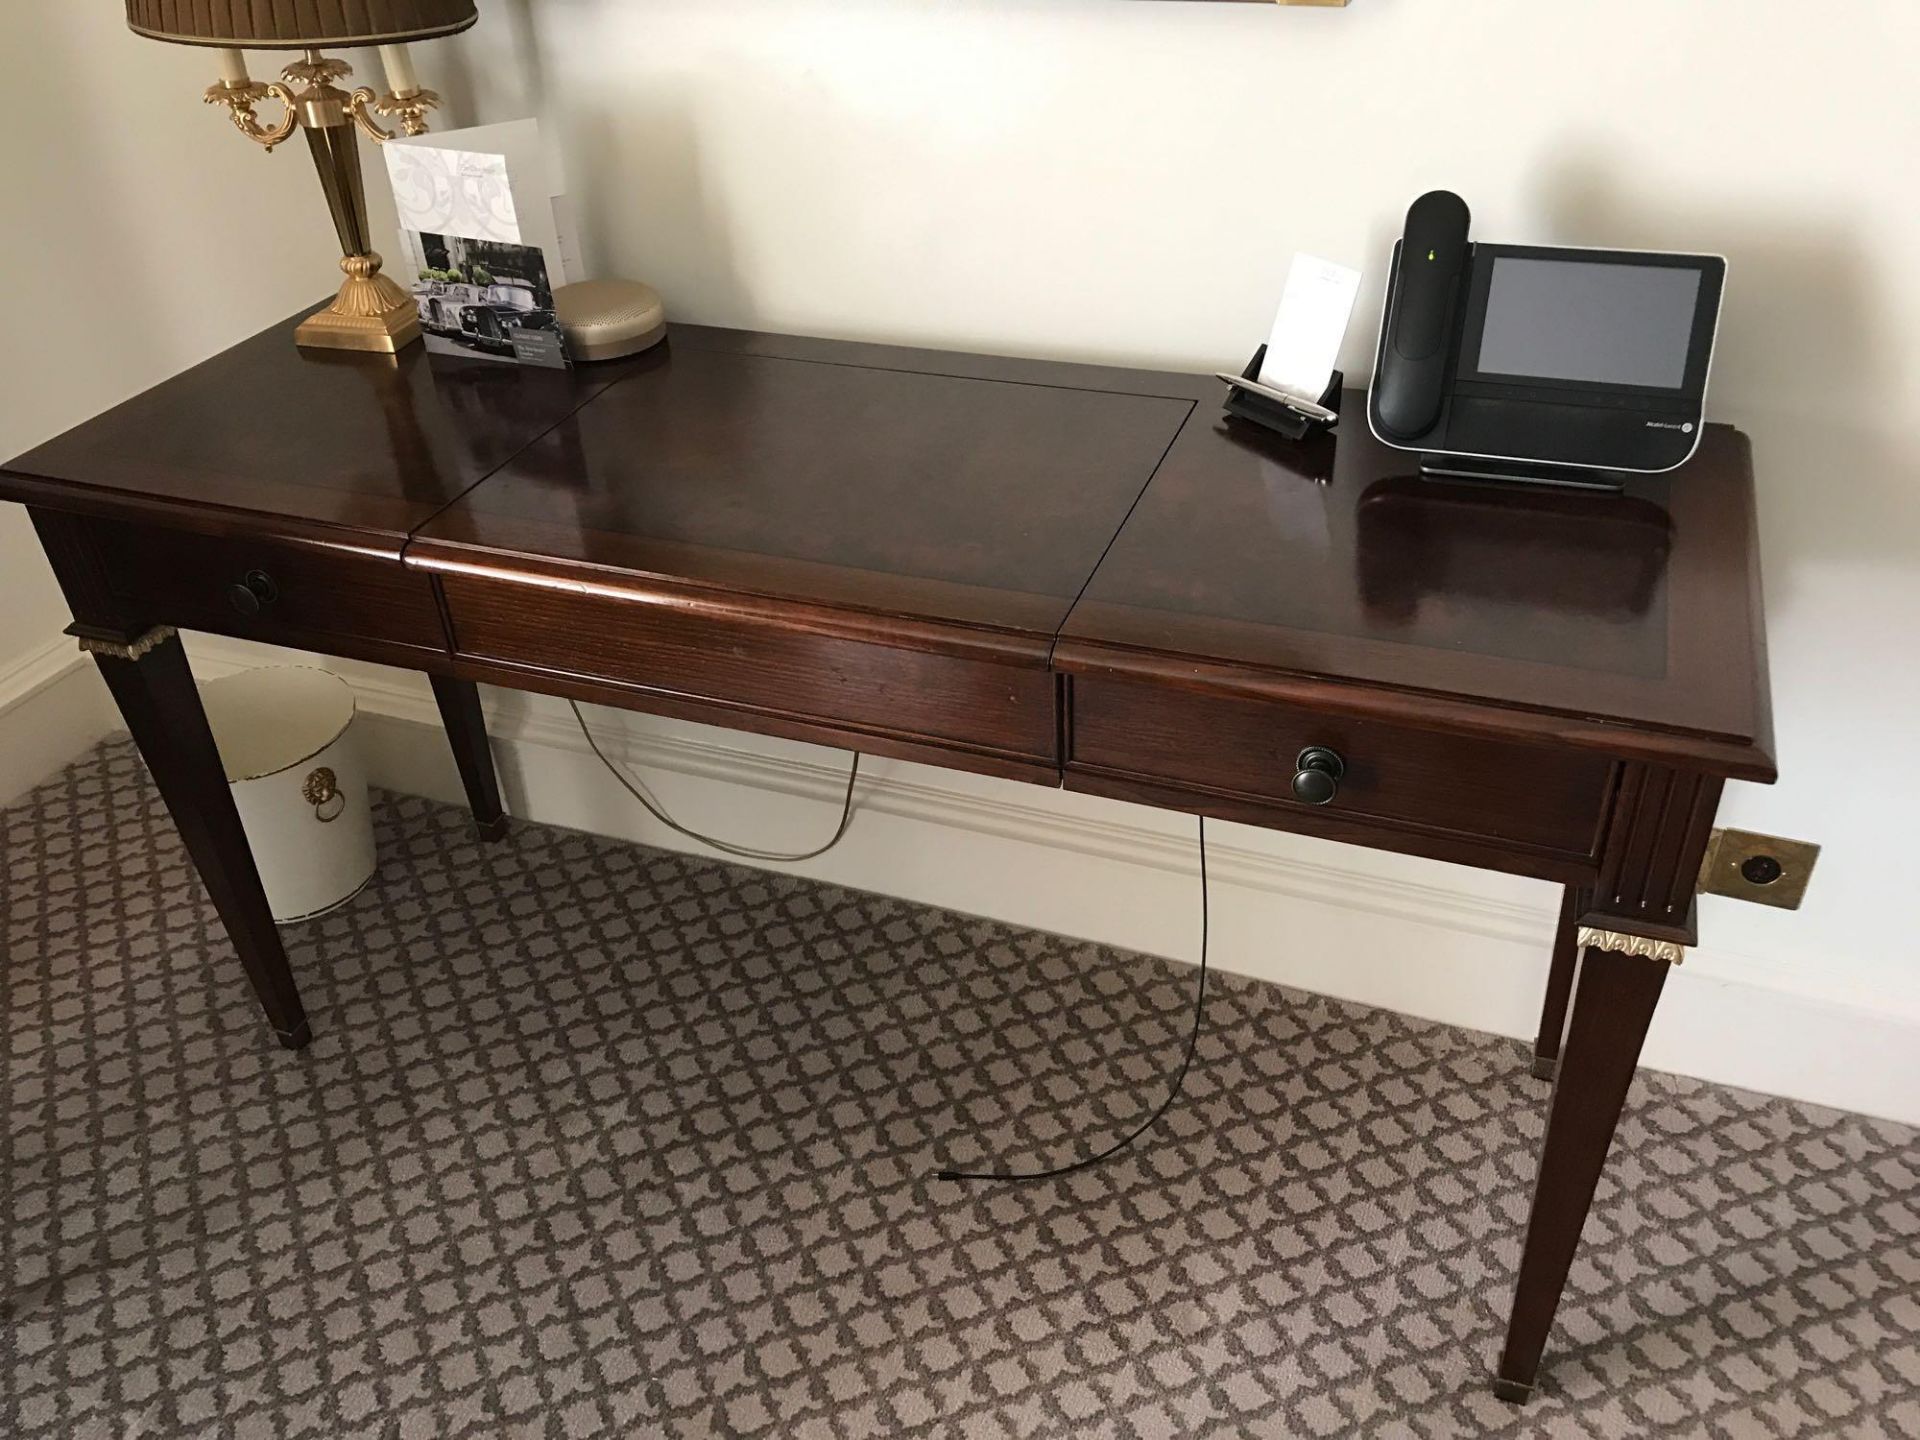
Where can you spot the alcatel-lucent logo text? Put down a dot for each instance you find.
(1685, 428)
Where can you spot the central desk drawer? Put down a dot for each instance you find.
(1397, 777)
(716, 663)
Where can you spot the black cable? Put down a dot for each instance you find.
(1180, 1079)
(745, 852)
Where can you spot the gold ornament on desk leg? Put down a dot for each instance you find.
(370, 312)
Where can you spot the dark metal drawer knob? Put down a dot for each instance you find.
(1316, 776)
(253, 594)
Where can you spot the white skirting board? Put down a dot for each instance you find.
(1423, 938)
(54, 707)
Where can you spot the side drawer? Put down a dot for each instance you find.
(1491, 792)
(311, 596)
(722, 663)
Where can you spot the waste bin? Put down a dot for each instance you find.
(287, 741)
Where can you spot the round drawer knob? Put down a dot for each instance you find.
(251, 595)
(1316, 776)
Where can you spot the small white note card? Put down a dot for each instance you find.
(1314, 310)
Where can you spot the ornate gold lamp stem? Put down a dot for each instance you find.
(370, 312)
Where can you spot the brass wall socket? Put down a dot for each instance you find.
(1762, 868)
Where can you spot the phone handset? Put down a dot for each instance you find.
(1422, 294)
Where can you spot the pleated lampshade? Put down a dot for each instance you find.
(297, 24)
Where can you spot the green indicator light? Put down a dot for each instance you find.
(1430, 254)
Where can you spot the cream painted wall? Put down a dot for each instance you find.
(1125, 179)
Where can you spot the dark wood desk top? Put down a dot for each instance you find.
(267, 437)
(1628, 622)
(980, 492)
(1101, 519)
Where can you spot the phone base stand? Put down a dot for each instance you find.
(1276, 415)
(1520, 472)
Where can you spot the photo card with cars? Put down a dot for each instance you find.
(485, 298)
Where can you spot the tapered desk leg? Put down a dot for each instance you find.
(154, 689)
(1553, 1014)
(466, 727)
(1614, 999)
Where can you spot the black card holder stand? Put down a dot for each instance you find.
(1276, 415)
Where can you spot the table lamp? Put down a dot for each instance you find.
(370, 312)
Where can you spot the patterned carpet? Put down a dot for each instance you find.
(599, 1140)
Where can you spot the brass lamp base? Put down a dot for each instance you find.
(384, 334)
(369, 313)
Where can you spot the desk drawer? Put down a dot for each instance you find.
(308, 596)
(1397, 778)
(725, 663)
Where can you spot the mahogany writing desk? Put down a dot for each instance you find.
(1053, 573)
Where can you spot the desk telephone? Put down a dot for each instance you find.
(1544, 364)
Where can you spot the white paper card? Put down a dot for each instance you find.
(1314, 310)
(443, 191)
(487, 182)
